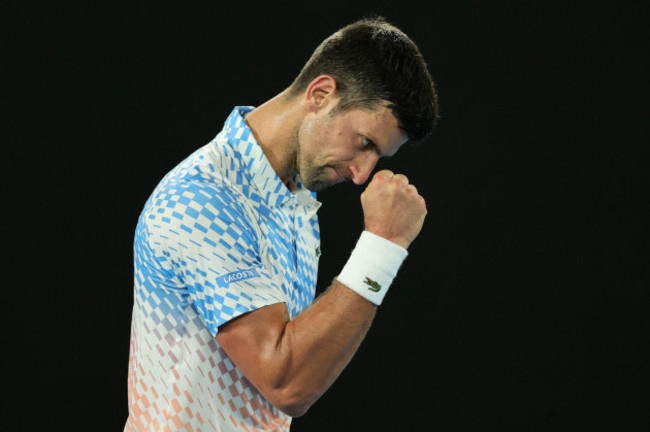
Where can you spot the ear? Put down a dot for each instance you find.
(320, 92)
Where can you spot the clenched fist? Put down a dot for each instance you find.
(392, 208)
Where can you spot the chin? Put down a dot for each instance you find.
(319, 185)
(321, 178)
(316, 186)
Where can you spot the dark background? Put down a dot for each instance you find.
(523, 304)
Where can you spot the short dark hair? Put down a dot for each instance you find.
(373, 61)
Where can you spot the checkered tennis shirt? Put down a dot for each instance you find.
(220, 236)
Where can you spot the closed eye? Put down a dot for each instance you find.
(369, 144)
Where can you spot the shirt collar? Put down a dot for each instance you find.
(257, 167)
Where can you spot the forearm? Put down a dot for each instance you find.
(323, 340)
(292, 363)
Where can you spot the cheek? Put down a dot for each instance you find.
(314, 137)
(324, 141)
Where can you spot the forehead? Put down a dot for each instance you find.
(378, 124)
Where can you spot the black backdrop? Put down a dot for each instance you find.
(523, 303)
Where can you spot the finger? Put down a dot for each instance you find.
(401, 178)
(384, 175)
(411, 188)
(387, 174)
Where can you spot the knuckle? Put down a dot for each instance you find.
(401, 178)
(384, 174)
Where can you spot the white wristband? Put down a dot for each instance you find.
(372, 266)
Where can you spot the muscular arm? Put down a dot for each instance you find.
(292, 363)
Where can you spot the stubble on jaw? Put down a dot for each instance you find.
(309, 173)
(313, 176)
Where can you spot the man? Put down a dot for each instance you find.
(224, 333)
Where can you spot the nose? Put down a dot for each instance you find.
(362, 166)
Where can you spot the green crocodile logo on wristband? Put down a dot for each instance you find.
(372, 285)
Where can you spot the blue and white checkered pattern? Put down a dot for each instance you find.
(221, 235)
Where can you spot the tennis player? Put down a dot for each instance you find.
(226, 334)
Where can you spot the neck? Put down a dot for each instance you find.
(274, 125)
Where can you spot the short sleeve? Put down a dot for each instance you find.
(207, 236)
